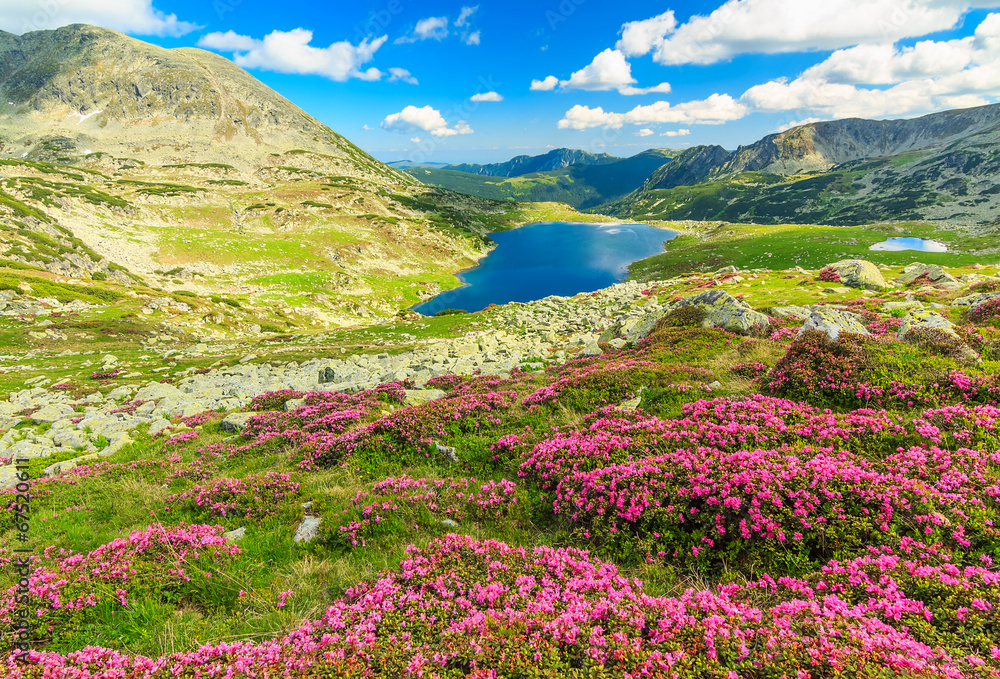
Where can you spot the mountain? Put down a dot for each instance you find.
(580, 186)
(407, 164)
(939, 167)
(522, 165)
(174, 168)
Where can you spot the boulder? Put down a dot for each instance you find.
(798, 313)
(921, 325)
(977, 298)
(726, 312)
(859, 273)
(932, 271)
(832, 322)
(236, 534)
(418, 396)
(236, 421)
(51, 413)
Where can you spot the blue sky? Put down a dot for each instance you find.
(480, 82)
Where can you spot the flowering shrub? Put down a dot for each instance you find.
(107, 374)
(253, 497)
(984, 312)
(750, 370)
(180, 439)
(828, 275)
(157, 561)
(394, 501)
(485, 609)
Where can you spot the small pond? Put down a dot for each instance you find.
(921, 244)
(550, 258)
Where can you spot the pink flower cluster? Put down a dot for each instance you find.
(462, 607)
(254, 497)
(455, 499)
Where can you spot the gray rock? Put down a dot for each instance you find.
(922, 324)
(448, 451)
(932, 271)
(234, 535)
(726, 312)
(236, 421)
(418, 396)
(308, 530)
(859, 273)
(157, 391)
(977, 298)
(832, 322)
(892, 306)
(799, 313)
(51, 413)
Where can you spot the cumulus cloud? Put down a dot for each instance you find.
(290, 52)
(714, 110)
(925, 77)
(644, 132)
(137, 17)
(683, 132)
(402, 75)
(416, 140)
(470, 36)
(426, 119)
(779, 26)
(609, 70)
(486, 96)
(549, 83)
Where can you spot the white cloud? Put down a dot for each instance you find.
(642, 37)
(676, 133)
(365, 127)
(486, 96)
(926, 77)
(885, 64)
(464, 15)
(796, 123)
(608, 71)
(471, 38)
(431, 28)
(290, 52)
(716, 109)
(401, 74)
(778, 26)
(549, 83)
(644, 132)
(416, 140)
(137, 17)
(427, 119)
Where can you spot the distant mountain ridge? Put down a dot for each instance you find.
(580, 185)
(517, 166)
(942, 166)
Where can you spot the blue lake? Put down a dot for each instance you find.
(920, 244)
(550, 258)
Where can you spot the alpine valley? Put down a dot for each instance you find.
(228, 448)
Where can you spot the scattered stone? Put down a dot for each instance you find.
(308, 530)
(448, 451)
(236, 534)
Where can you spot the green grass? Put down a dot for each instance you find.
(783, 246)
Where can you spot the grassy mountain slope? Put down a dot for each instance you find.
(128, 162)
(581, 185)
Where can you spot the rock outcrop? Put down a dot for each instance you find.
(833, 322)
